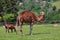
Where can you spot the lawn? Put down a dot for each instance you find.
(40, 32)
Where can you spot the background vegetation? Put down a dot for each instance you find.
(10, 8)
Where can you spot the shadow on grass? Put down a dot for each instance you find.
(38, 33)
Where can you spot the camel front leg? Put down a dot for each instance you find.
(31, 24)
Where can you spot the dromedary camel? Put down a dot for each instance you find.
(27, 17)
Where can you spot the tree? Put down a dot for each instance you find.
(8, 6)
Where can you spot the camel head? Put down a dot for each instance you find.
(40, 17)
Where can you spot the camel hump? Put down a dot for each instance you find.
(27, 15)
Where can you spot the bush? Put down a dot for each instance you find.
(56, 17)
(0, 19)
(9, 17)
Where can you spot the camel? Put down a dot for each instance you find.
(27, 16)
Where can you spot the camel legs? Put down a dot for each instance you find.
(31, 24)
(21, 28)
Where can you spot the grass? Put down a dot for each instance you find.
(57, 4)
(40, 32)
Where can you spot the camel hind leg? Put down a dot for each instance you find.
(21, 27)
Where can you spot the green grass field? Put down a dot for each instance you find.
(40, 32)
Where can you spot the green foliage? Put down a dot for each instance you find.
(53, 16)
(55, 0)
(9, 17)
(56, 17)
(0, 19)
(11, 6)
(8, 6)
(56, 4)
